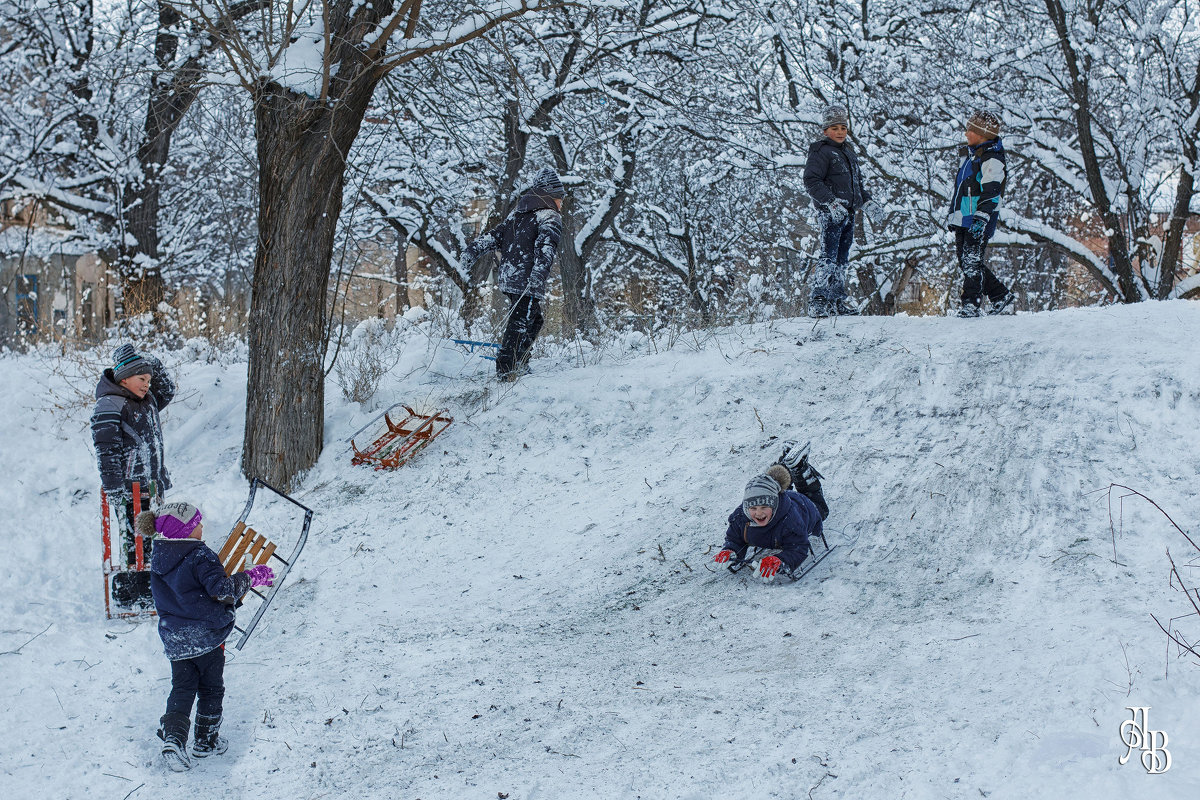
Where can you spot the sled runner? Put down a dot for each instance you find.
(472, 346)
(245, 547)
(400, 441)
(126, 582)
(755, 554)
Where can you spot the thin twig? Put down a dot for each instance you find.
(1160, 510)
(17, 652)
(1172, 637)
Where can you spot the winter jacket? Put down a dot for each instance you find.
(793, 522)
(127, 432)
(979, 186)
(193, 596)
(832, 172)
(527, 240)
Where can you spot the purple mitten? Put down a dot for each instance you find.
(261, 575)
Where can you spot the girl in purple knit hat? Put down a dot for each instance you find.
(195, 602)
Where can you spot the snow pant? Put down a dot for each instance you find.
(524, 324)
(131, 588)
(830, 281)
(978, 280)
(200, 680)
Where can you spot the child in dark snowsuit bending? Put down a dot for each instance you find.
(775, 519)
(194, 599)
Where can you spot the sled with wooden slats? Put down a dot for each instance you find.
(397, 443)
(247, 545)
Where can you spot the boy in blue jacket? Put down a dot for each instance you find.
(194, 599)
(974, 210)
(774, 518)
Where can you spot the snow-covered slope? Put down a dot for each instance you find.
(529, 610)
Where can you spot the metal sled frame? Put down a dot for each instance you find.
(403, 440)
(472, 345)
(244, 541)
(108, 568)
(805, 567)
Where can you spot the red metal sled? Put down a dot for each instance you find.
(401, 441)
(109, 568)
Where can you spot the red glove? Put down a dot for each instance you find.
(769, 567)
(723, 556)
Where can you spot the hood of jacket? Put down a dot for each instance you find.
(825, 141)
(168, 553)
(108, 386)
(533, 201)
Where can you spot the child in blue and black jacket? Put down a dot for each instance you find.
(774, 518)
(974, 211)
(195, 602)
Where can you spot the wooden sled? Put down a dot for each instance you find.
(400, 441)
(246, 547)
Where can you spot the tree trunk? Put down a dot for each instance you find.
(579, 311)
(174, 87)
(1184, 192)
(302, 144)
(400, 267)
(892, 301)
(1118, 244)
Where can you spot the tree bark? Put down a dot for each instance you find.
(173, 90)
(579, 310)
(1118, 244)
(302, 145)
(1184, 192)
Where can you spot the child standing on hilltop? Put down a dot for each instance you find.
(974, 210)
(194, 599)
(834, 181)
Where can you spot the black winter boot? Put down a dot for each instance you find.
(207, 741)
(805, 479)
(173, 730)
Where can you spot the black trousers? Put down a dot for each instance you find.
(130, 588)
(978, 280)
(200, 680)
(524, 324)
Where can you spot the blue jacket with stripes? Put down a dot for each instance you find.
(979, 186)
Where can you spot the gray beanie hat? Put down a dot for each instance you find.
(547, 183)
(128, 362)
(762, 490)
(834, 115)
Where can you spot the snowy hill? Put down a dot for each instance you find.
(528, 610)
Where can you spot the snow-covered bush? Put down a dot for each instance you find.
(370, 352)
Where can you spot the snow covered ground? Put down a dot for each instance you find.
(529, 610)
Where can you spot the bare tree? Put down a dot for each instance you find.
(311, 70)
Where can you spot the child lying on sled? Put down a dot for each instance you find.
(776, 519)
